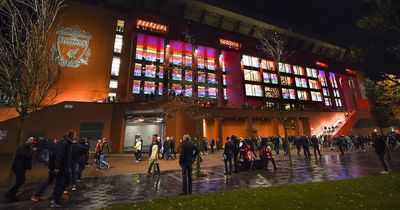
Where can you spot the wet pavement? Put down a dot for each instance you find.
(100, 192)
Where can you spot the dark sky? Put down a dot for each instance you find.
(333, 21)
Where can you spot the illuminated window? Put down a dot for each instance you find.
(251, 61)
(188, 75)
(161, 72)
(253, 90)
(251, 75)
(136, 86)
(332, 79)
(201, 77)
(150, 48)
(177, 88)
(336, 93)
(271, 92)
(113, 83)
(284, 67)
(225, 95)
(115, 66)
(325, 91)
(206, 57)
(212, 78)
(298, 70)
(316, 96)
(328, 102)
(160, 88)
(149, 87)
(288, 93)
(201, 91)
(212, 92)
(150, 71)
(287, 81)
(181, 53)
(322, 78)
(269, 65)
(120, 26)
(338, 102)
(176, 74)
(188, 90)
(314, 84)
(138, 70)
(301, 82)
(118, 43)
(312, 72)
(302, 95)
(224, 79)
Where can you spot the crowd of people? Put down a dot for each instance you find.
(67, 158)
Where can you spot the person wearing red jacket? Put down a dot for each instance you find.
(270, 156)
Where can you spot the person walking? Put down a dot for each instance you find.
(62, 167)
(22, 162)
(270, 157)
(105, 148)
(212, 144)
(138, 149)
(315, 145)
(297, 142)
(306, 144)
(379, 145)
(153, 157)
(228, 155)
(173, 145)
(236, 151)
(50, 178)
(187, 155)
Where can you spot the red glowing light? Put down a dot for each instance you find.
(318, 63)
(229, 44)
(151, 26)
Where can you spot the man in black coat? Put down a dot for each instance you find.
(379, 145)
(62, 167)
(228, 155)
(236, 150)
(21, 163)
(187, 156)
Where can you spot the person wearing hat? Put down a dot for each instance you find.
(22, 162)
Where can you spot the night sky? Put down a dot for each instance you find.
(333, 21)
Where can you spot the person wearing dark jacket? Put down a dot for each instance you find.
(187, 156)
(379, 146)
(22, 162)
(315, 144)
(62, 167)
(228, 155)
(236, 146)
(306, 144)
(51, 177)
(77, 160)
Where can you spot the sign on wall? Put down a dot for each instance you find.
(73, 47)
(3, 135)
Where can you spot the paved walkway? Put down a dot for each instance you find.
(106, 191)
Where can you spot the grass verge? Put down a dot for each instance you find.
(375, 192)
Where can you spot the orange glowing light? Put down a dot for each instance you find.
(151, 26)
(318, 63)
(351, 71)
(230, 44)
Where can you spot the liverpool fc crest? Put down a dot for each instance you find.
(73, 47)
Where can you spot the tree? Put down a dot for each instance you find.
(193, 106)
(380, 111)
(28, 68)
(386, 19)
(274, 45)
(29, 71)
(390, 87)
